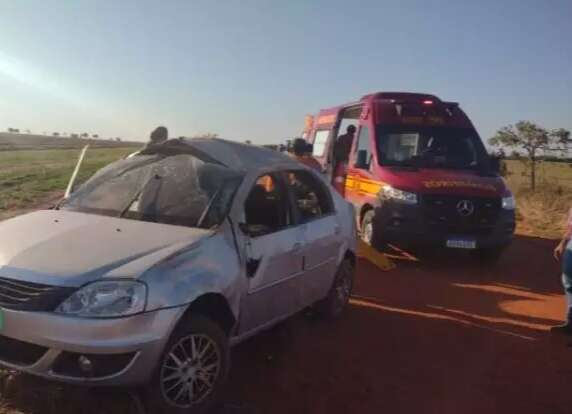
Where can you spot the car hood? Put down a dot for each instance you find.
(437, 181)
(69, 248)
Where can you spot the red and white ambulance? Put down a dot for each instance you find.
(418, 172)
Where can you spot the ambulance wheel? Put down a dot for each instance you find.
(369, 233)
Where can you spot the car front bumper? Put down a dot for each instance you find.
(407, 224)
(121, 351)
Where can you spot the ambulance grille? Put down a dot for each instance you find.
(443, 211)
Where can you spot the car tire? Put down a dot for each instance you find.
(196, 357)
(332, 306)
(369, 234)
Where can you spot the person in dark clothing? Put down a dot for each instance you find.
(344, 145)
(301, 154)
(159, 135)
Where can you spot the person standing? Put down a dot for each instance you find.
(344, 145)
(342, 149)
(300, 150)
(563, 251)
(158, 136)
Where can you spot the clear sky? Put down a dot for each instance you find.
(252, 69)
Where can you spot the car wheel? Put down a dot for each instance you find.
(368, 233)
(192, 370)
(339, 294)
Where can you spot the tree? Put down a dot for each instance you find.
(74, 136)
(84, 135)
(56, 134)
(118, 139)
(248, 142)
(95, 136)
(533, 140)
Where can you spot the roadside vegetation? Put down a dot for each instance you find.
(539, 172)
(30, 179)
(541, 212)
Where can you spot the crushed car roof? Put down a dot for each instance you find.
(240, 156)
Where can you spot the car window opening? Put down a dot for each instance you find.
(311, 198)
(266, 208)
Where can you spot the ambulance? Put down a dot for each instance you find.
(417, 173)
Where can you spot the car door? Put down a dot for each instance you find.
(273, 254)
(315, 212)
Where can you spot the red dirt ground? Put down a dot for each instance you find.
(447, 335)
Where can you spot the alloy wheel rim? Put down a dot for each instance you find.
(367, 233)
(190, 370)
(343, 291)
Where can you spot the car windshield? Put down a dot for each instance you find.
(430, 147)
(178, 189)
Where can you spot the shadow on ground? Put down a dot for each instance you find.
(445, 335)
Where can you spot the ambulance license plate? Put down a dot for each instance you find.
(461, 244)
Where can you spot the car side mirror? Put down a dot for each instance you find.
(495, 165)
(361, 160)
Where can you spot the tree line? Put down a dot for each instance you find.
(531, 143)
(83, 135)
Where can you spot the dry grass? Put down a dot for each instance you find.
(543, 213)
(29, 178)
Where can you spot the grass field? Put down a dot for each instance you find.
(27, 178)
(541, 213)
(552, 174)
(12, 142)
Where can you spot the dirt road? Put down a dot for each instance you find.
(444, 336)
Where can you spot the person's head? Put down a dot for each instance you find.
(159, 134)
(351, 129)
(300, 147)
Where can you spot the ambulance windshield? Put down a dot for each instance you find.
(430, 147)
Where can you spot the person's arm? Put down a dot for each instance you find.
(565, 239)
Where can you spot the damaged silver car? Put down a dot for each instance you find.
(155, 266)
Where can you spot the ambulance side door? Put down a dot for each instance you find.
(361, 182)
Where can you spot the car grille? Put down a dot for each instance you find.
(442, 213)
(20, 353)
(19, 295)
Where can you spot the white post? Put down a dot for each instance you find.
(75, 172)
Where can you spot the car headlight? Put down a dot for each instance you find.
(105, 299)
(390, 193)
(508, 203)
